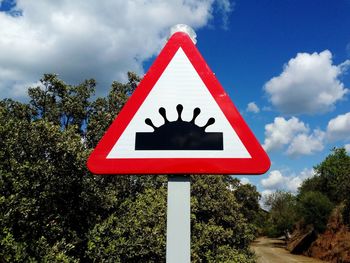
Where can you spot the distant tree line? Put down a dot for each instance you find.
(316, 198)
(52, 209)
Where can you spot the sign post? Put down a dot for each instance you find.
(178, 239)
(179, 120)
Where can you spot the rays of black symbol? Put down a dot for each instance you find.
(179, 134)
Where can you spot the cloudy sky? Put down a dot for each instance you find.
(285, 64)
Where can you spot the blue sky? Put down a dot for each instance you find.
(262, 36)
(288, 59)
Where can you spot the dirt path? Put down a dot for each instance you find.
(273, 251)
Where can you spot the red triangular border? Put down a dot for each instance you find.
(99, 164)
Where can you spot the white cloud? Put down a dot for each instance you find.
(294, 181)
(347, 148)
(274, 180)
(252, 107)
(339, 128)
(90, 39)
(264, 195)
(267, 108)
(348, 48)
(304, 144)
(277, 181)
(225, 7)
(281, 132)
(308, 84)
(245, 180)
(294, 135)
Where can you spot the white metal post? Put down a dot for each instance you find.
(178, 243)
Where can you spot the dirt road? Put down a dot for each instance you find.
(273, 251)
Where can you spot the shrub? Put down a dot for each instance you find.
(315, 208)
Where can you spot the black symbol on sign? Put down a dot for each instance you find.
(179, 134)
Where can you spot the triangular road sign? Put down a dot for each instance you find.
(179, 120)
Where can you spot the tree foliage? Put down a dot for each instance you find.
(317, 196)
(217, 222)
(332, 179)
(248, 196)
(135, 234)
(314, 208)
(282, 215)
(53, 210)
(48, 200)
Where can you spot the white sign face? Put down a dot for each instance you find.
(179, 120)
(179, 84)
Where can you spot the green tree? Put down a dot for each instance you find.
(314, 208)
(53, 210)
(104, 110)
(282, 213)
(136, 233)
(332, 179)
(248, 197)
(219, 230)
(48, 199)
(46, 194)
(60, 103)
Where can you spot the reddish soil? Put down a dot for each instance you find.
(334, 244)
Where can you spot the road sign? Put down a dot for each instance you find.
(179, 120)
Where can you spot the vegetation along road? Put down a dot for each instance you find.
(270, 250)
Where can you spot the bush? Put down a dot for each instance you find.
(315, 208)
(53, 210)
(225, 254)
(346, 212)
(332, 177)
(10, 249)
(136, 234)
(220, 232)
(282, 216)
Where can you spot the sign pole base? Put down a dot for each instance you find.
(178, 243)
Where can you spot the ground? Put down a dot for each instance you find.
(273, 251)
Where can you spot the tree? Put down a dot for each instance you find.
(282, 206)
(248, 197)
(104, 110)
(219, 230)
(48, 199)
(332, 179)
(314, 208)
(60, 103)
(136, 233)
(52, 209)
